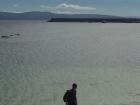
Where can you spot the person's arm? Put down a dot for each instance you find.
(76, 101)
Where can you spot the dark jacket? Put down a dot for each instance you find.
(72, 97)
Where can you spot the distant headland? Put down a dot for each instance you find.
(37, 15)
(55, 17)
(97, 20)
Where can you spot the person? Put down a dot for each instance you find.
(70, 96)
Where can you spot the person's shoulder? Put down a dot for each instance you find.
(72, 90)
(68, 90)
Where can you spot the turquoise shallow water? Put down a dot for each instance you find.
(37, 67)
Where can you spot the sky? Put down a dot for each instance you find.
(108, 7)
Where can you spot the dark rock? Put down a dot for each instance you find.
(11, 35)
(17, 34)
(4, 36)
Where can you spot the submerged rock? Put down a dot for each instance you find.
(17, 34)
(11, 35)
(4, 36)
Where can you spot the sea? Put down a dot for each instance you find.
(40, 60)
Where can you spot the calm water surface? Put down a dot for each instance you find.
(37, 67)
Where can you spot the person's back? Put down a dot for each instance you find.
(72, 100)
(72, 97)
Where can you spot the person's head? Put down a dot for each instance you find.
(74, 86)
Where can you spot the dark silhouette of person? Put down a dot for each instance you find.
(72, 99)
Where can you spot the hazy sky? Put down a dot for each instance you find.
(111, 7)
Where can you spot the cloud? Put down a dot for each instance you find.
(69, 8)
(43, 6)
(76, 7)
(12, 11)
(16, 5)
